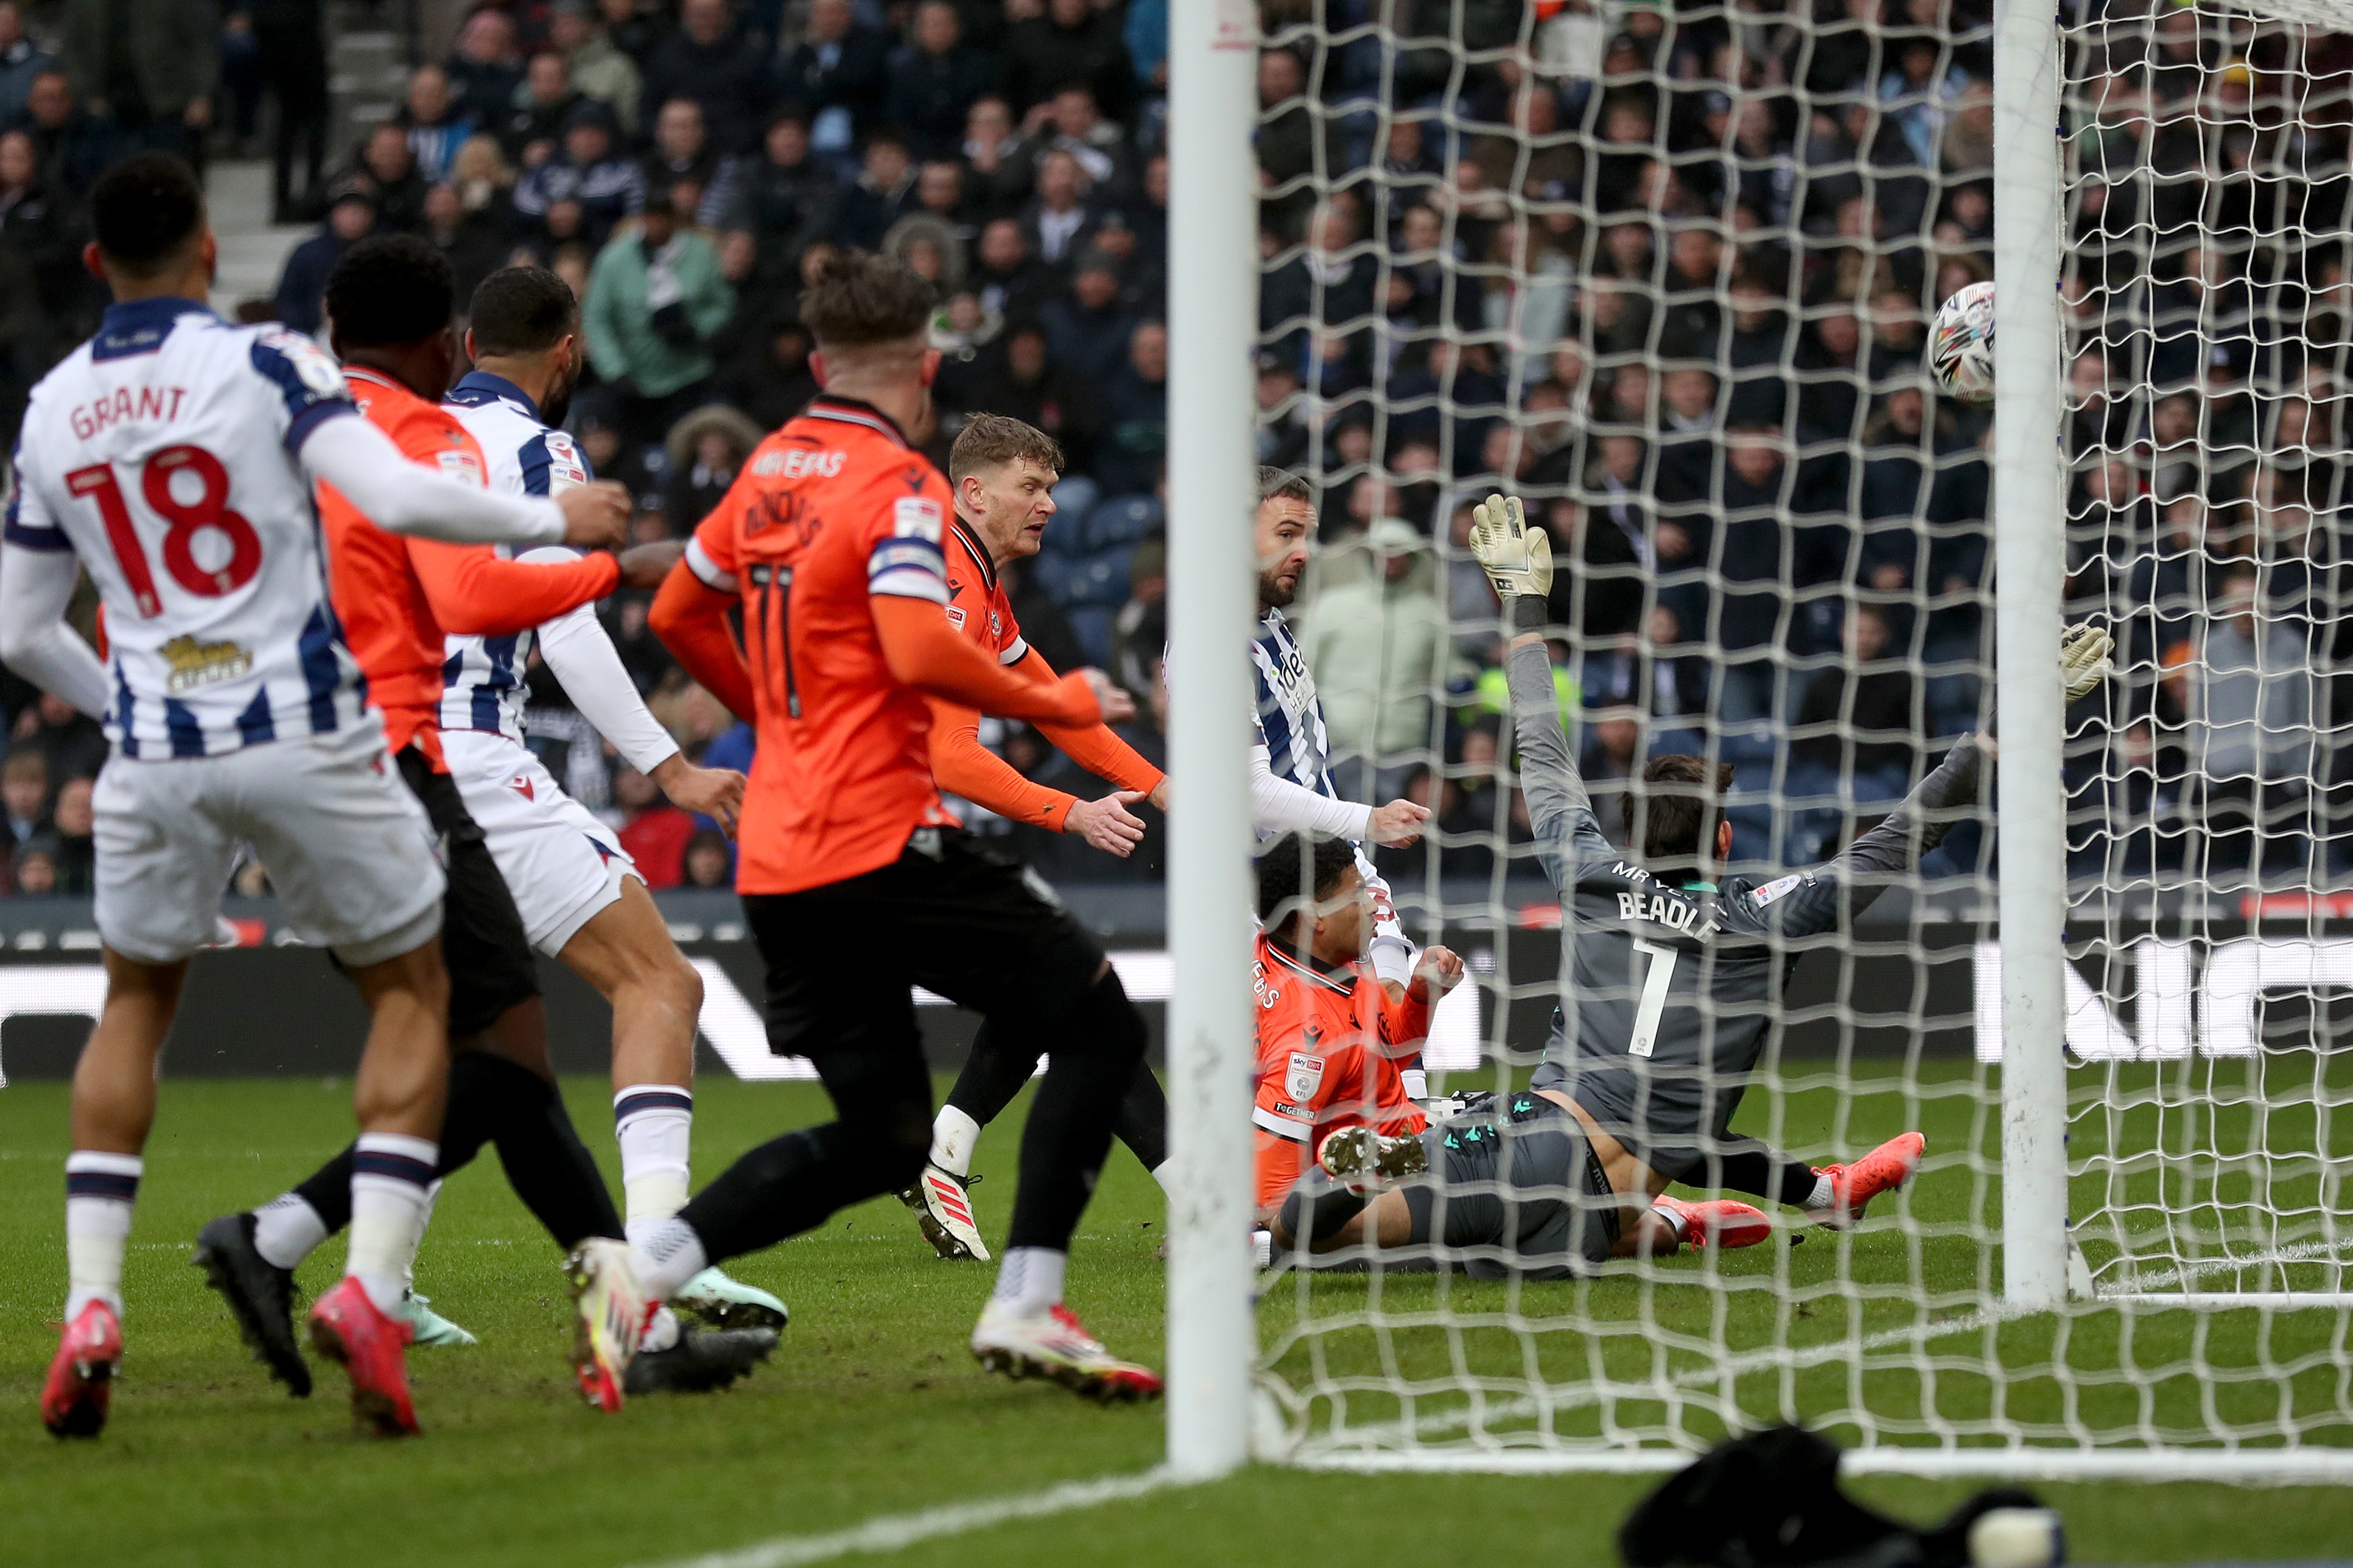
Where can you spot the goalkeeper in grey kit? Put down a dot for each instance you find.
(1668, 986)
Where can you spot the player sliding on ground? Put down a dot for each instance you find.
(171, 456)
(578, 895)
(1003, 473)
(856, 883)
(1513, 1191)
(1668, 986)
(390, 301)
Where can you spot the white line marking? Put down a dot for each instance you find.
(892, 1533)
(1332, 1446)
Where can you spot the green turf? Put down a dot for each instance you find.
(870, 1407)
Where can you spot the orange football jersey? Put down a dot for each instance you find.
(1329, 1049)
(833, 508)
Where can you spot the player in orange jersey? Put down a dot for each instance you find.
(1331, 1042)
(856, 881)
(391, 301)
(1507, 1185)
(1004, 473)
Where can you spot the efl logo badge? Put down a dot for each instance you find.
(1304, 1078)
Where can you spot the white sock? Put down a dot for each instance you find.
(100, 1191)
(1165, 1172)
(669, 1255)
(1029, 1280)
(654, 1124)
(408, 1274)
(287, 1229)
(390, 1178)
(954, 1135)
(662, 1331)
(1821, 1197)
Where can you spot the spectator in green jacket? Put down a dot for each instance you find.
(656, 300)
(1378, 646)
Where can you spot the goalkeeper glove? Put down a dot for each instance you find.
(2083, 664)
(1517, 559)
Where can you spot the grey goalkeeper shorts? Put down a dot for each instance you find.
(1513, 1188)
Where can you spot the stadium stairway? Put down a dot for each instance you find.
(367, 72)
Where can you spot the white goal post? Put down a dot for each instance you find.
(2123, 1256)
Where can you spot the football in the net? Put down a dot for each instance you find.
(1960, 344)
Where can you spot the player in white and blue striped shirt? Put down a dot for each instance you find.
(1291, 761)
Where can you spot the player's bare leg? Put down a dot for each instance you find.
(626, 953)
(113, 1109)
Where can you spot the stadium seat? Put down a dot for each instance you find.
(1092, 624)
(1123, 520)
(1101, 580)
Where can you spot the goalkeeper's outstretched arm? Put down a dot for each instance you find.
(1560, 812)
(1811, 902)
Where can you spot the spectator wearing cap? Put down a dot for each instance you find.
(682, 150)
(534, 118)
(1088, 329)
(587, 170)
(656, 300)
(599, 68)
(20, 61)
(485, 67)
(709, 61)
(1377, 644)
(934, 80)
(302, 286)
(1070, 40)
(390, 169)
(149, 66)
(840, 73)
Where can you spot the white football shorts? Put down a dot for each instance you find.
(348, 848)
(562, 864)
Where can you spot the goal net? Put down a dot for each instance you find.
(1667, 273)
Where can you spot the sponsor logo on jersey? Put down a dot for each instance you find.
(196, 664)
(955, 617)
(915, 517)
(1772, 890)
(1303, 1077)
(799, 464)
(460, 464)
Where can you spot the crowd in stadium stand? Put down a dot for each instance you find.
(1668, 279)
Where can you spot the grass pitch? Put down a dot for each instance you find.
(872, 1406)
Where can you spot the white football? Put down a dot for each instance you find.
(1960, 344)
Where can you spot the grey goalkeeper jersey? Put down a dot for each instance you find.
(1666, 993)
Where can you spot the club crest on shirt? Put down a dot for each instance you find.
(1303, 1077)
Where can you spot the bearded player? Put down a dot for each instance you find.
(1670, 976)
